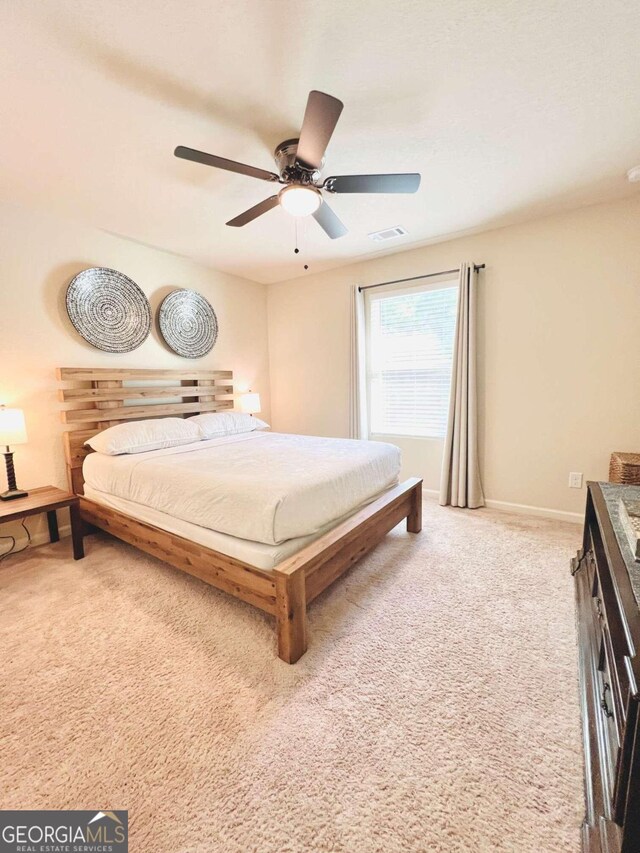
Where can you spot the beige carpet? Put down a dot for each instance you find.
(436, 708)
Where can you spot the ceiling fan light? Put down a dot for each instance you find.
(300, 200)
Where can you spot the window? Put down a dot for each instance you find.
(409, 357)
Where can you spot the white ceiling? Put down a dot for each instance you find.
(508, 109)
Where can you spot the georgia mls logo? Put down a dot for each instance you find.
(118, 831)
(64, 832)
(111, 815)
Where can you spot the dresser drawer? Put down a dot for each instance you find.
(609, 710)
(610, 632)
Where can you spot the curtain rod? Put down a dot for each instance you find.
(417, 277)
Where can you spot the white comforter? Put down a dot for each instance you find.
(266, 487)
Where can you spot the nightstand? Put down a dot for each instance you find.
(48, 499)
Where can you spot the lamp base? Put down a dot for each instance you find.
(12, 494)
(13, 491)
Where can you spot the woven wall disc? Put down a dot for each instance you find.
(108, 310)
(188, 323)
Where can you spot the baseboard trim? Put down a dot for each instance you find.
(524, 509)
(42, 536)
(541, 511)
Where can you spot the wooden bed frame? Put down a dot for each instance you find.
(94, 400)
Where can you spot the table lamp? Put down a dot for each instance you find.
(12, 431)
(250, 403)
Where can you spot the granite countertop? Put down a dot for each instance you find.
(612, 493)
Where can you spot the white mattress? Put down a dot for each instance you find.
(264, 487)
(253, 553)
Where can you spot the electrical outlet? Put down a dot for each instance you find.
(575, 480)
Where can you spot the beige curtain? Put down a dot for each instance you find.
(460, 481)
(358, 426)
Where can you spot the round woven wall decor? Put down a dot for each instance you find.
(188, 323)
(108, 310)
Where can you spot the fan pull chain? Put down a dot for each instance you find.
(296, 249)
(304, 228)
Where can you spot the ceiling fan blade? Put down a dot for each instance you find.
(320, 119)
(407, 183)
(254, 212)
(329, 222)
(222, 163)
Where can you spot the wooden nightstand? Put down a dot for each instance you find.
(48, 499)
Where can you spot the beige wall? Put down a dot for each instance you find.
(559, 342)
(38, 257)
(559, 350)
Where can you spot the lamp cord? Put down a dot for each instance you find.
(12, 549)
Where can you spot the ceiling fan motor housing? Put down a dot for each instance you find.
(290, 170)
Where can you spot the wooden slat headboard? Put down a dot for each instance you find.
(97, 398)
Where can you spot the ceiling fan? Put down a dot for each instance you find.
(299, 162)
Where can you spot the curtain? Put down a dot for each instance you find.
(358, 426)
(460, 481)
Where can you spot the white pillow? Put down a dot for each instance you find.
(138, 436)
(217, 424)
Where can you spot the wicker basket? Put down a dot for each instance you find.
(625, 468)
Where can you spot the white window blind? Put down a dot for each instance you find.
(409, 357)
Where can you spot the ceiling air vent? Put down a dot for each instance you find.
(388, 234)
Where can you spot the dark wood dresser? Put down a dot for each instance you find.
(608, 618)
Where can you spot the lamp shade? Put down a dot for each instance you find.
(250, 403)
(12, 427)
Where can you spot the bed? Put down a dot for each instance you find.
(269, 518)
